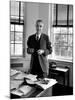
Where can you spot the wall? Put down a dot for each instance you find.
(44, 14)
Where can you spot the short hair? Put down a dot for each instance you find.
(39, 20)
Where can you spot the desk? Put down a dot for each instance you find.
(55, 90)
(36, 91)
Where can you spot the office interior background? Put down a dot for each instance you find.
(58, 25)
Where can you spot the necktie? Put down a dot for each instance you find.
(37, 37)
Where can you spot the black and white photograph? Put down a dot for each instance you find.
(41, 49)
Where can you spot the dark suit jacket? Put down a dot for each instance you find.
(45, 44)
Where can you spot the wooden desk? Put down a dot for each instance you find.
(55, 90)
(58, 71)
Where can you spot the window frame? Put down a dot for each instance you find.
(53, 56)
(18, 22)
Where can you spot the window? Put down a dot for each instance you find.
(16, 28)
(62, 32)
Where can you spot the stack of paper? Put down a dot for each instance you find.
(30, 81)
(28, 76)
(45, 86)
(20, 76)
(13, 72)
(31, 77)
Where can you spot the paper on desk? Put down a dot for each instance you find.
(17, 92)
(61, 69)
(25, 89)
(20, 76)
(22, 90)
(50, 83)
(13, 72)
(15, 84)
(29, 76)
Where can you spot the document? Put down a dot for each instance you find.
(13, 72)
(20, 76)
(45, 86)
(28, 76)
(62, 69)
(31, 77)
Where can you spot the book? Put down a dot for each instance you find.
(23, 90)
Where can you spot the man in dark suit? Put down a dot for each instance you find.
(39, 47)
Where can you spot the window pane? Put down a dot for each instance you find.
(12, 36)
(54, 14)
(56, 30)
(12, 28)
(70, 52)
(14, 18)
(57, 50)
(12, 49)
(62, 14)
(64, 51)
(22, 9)
(14, 8)
(18, 49)
(63, 39)
(19, 28)
(18, 37)
(22, 18)
(63, 30)
(70, 14)
(57, 38)
(70, 40)
(70, 30)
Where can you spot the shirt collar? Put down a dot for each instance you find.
(38, 35)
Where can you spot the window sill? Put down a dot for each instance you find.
(20, 57)
(61, 59)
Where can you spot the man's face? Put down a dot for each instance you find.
(39, 27)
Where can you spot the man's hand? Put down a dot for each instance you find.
(40, 51)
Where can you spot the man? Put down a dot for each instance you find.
(39, 47)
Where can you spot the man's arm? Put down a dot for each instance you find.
(48, 49)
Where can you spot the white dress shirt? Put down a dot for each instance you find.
(38, 36)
